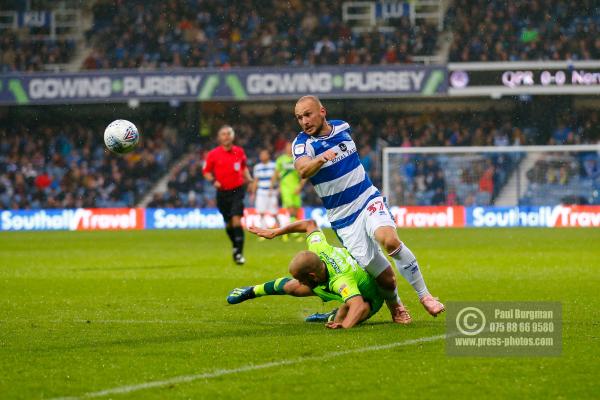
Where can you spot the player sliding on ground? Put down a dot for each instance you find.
(325, 271)
(325, 153)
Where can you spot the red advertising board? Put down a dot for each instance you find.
(108, 219)
(429, 217)
(577, 216)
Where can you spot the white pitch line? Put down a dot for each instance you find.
(252, 367)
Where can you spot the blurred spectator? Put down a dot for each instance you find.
(560, 134)
(486, 182)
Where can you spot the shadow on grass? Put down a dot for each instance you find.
(238, 330)
(201, 335)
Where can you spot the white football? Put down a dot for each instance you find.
(121, 136)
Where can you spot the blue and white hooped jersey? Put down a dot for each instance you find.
(342, 183)
(263, 173)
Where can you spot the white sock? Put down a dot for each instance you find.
(407, 265)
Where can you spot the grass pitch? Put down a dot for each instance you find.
(91, 311)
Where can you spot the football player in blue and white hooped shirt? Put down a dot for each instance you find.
(262, 189)
(325, 153)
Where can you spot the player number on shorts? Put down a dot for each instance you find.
(376, 206)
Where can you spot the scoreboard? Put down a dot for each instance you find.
(497, 79)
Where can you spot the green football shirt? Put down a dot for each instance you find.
(346, 278)
(289, 179)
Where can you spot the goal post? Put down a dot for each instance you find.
(492, 175)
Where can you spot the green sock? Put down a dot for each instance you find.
(271, 288)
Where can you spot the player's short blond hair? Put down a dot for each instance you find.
(312, 98)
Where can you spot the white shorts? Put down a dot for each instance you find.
(359, 238)
(266, 202)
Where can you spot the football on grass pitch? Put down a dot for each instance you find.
(121, 136)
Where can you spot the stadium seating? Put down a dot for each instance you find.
(471, 181)
(215, 33)
(67, 166)
(237, 33)
(565, 178)
(32, 54)
(467, 180)
(186, 186)
(495, 30)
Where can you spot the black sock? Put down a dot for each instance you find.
(231, 234)
(238, 238)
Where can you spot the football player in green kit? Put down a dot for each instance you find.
(325, 271)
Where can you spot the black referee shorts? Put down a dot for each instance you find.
(231, 202)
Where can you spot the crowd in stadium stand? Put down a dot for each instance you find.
(30, 54)
(423, 181)
(426, 180)
(499, 30)
(67, 166)
(567, 177)
(571, 178)
(216, 33)
(430, 180)
(577, 128)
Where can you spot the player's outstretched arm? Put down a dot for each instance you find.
(302, 226)
(357, 310)
(307, 167)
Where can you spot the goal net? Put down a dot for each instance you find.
(492, 176)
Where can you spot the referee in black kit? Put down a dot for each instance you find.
(226, 166)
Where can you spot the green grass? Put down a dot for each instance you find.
(87, 311)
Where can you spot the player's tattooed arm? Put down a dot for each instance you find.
(307, 167)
